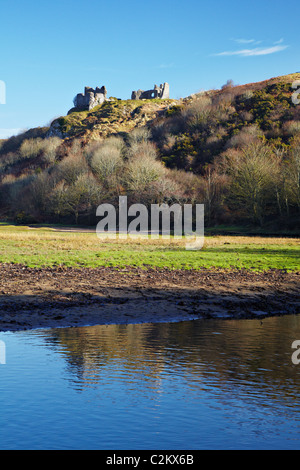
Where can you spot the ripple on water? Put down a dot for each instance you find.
(189, 385)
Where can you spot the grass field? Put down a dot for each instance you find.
(44, 247)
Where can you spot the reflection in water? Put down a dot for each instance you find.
(188, 385)
(245, 353)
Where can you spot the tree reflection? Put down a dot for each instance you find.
(230, 358)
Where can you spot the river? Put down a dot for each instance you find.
(203, 384)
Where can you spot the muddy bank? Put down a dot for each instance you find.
(58, 297)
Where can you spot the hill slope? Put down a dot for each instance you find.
(236, 149)
(112, 117)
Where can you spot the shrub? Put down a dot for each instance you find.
(292, 128)
(31, 148)
(49, 149)
(143, 149)
(140, 173)
(70, 168)
(246, 136)
(228, 84)
(138, 135)
(106, 161)
(197, 114)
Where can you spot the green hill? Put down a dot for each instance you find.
(235, 149)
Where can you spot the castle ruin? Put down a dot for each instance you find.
(90, 98)
(162, 92)
(94, 97)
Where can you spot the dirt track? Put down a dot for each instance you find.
(35, 298)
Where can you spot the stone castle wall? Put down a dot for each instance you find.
(162, 92)
(93, 97)
(90, 98)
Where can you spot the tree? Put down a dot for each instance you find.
(140, 173)
(81, 196)
(214, 186)
(253, 173)
(57, 200)
(70, 168)
(292, 173)
(106, 161)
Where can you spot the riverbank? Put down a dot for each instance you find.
(68, 296)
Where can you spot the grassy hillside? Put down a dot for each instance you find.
(209, 123)
(237, 150)
(112, 117)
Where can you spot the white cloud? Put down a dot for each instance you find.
(247, 41)
(253, 52)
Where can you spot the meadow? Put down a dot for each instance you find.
(48, 247)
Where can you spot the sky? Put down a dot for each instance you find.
(51, 50)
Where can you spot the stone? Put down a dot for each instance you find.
(161, 92)
(90, 98)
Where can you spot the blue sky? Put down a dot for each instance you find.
(51, 50)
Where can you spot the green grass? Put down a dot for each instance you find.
(109, 113)
(41, 247)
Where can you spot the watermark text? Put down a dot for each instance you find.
(175, 221)
(296, 354)
(295, 95)
(2, 352)
(2, 92)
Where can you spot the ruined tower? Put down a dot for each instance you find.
(162, 92)
(90, 98)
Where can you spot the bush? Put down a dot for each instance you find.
(49, 149)
(142, 150)
(140, 173)
(106, 160)
(138, 135)
(292, 128)
(70, 168)
(197, 114)
(246, 136)
(31, 148)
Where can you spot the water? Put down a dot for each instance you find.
(189, 385)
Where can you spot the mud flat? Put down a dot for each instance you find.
(61, 297)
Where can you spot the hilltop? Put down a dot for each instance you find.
(195, 149)
(110, 118)
(266, 104)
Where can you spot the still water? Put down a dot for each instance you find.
(189, 385)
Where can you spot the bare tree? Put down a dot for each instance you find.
(253, 173)
(140, 173)
(106, 162)
(70, 168)
(292, 173)
(81, 196)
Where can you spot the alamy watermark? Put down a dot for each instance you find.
(2, 92)
(296, 354)
(295, 95)
(2, 352)
(172, 222)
